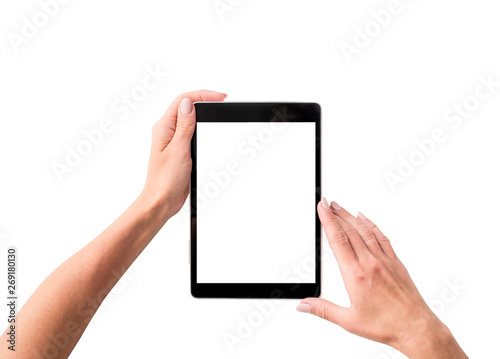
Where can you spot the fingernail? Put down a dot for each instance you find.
(186, 106)
(304, 308)
(335, 206)
(361, 215)
(324, 203)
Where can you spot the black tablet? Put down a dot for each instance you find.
(255, 184)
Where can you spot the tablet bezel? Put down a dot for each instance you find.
(256, 112)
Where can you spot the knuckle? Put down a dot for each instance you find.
(330, 224)
(351, 231)
(185, 125)
(360, 277)
(381, 273)
(376, 268)
(395, 267)
(339, 238)
(329, 220)
(384, 239)
(321, 311)
(365, 232)
(398, 266)
(358, 274)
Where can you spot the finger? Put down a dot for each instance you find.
(382, 240)
(200, 95)
(338, 240)
(326, 310)
(363, 230)
(164, 129)
(357, 244)
(186, 118)
(186, 122)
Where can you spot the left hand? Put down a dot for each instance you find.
(167, 182)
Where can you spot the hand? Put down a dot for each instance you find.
(167, 183)
(385, 303)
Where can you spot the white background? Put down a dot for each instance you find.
(443, 221)
(249, 228)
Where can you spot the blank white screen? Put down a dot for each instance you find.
(256, 202)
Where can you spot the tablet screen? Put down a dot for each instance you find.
(256, 188)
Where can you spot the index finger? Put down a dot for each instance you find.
(337, 238)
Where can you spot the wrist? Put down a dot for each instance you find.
(153, 207)
(428, 337)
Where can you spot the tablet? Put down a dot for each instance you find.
(255, 184)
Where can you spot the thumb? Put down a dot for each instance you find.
(325, 309)
(186, 122)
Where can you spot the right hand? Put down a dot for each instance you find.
(385, 303)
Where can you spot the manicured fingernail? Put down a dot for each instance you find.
(335, 206)
(186, 106)
(324, 203)
(304, 308)
(361, 215)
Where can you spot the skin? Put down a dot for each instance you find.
(386, 305)
(53, 319)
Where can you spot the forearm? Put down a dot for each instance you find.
(63, 305)
(66, 301)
